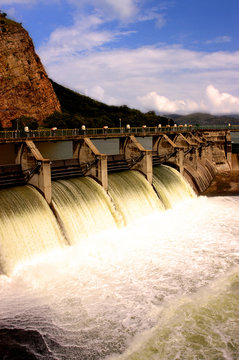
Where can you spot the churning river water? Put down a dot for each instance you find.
(163, 286)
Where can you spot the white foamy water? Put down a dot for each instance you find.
(94, 299)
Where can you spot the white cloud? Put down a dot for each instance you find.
(222, 102)
(110, 9)
(82, 36)
(155, 15)
(160, 21)
(168, 78)
(124, 8)
(219, 40)
(97, 92)
(215, 102)
(164, 79)
(162, 104)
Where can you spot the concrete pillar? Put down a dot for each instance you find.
(137, 157)
(228, 148)
(36, 169)
(146, 166)
(102, 172)
(209, 152)
(122, 141)
(92, 162)
(180, 160)
(194, 157)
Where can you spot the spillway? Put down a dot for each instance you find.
(133, 196)
(83, 207)
(170, 186)
(116, 276)
(27, 227)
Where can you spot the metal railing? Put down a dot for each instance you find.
(140, 131)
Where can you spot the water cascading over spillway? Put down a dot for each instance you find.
(84, 208)
(133, 196)
(170, 186)
(27, 227)
(148, 290)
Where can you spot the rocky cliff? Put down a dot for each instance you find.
(25, 89)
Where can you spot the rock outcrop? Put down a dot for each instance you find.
(25, 89)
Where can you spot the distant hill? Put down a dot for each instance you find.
(205, 119)
(78, 109)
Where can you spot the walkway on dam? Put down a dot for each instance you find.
(198, 154)
(105, 132)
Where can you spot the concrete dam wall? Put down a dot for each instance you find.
(199, 156)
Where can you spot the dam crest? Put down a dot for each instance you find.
(197, 155)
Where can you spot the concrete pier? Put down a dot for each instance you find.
(36, 169)
(137, 157)
(91, 161)
(198, 155)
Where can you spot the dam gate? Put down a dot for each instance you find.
(197, 155)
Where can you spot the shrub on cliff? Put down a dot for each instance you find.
(22, 121)
(58, 119)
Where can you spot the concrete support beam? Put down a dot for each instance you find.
(220, 143)
(180, 160)
(37, 170)
(91, 160)
(191, 154)
(196, 139)
(180, 140)
(228, 148)
(163, 143)
(191, 139)
(137, 157)
(165, 146)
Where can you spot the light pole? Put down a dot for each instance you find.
(120, 123)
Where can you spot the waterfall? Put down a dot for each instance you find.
(170, 186)
(84, 207)
(27, 227)
(133, 196)
(163, 287)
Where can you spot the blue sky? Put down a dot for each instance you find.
(178, 56)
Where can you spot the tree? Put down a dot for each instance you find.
(22, 121)
(57, 119)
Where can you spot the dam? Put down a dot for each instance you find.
(34, 159)
(107, 252)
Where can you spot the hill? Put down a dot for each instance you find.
(25, 90)
(205, 119)
(78, 109)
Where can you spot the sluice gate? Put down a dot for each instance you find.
(197, 155)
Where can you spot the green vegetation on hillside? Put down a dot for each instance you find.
(80, 110)
(205, 119)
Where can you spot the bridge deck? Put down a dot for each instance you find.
(76, 134)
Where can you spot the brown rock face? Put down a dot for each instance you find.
(24, 86)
